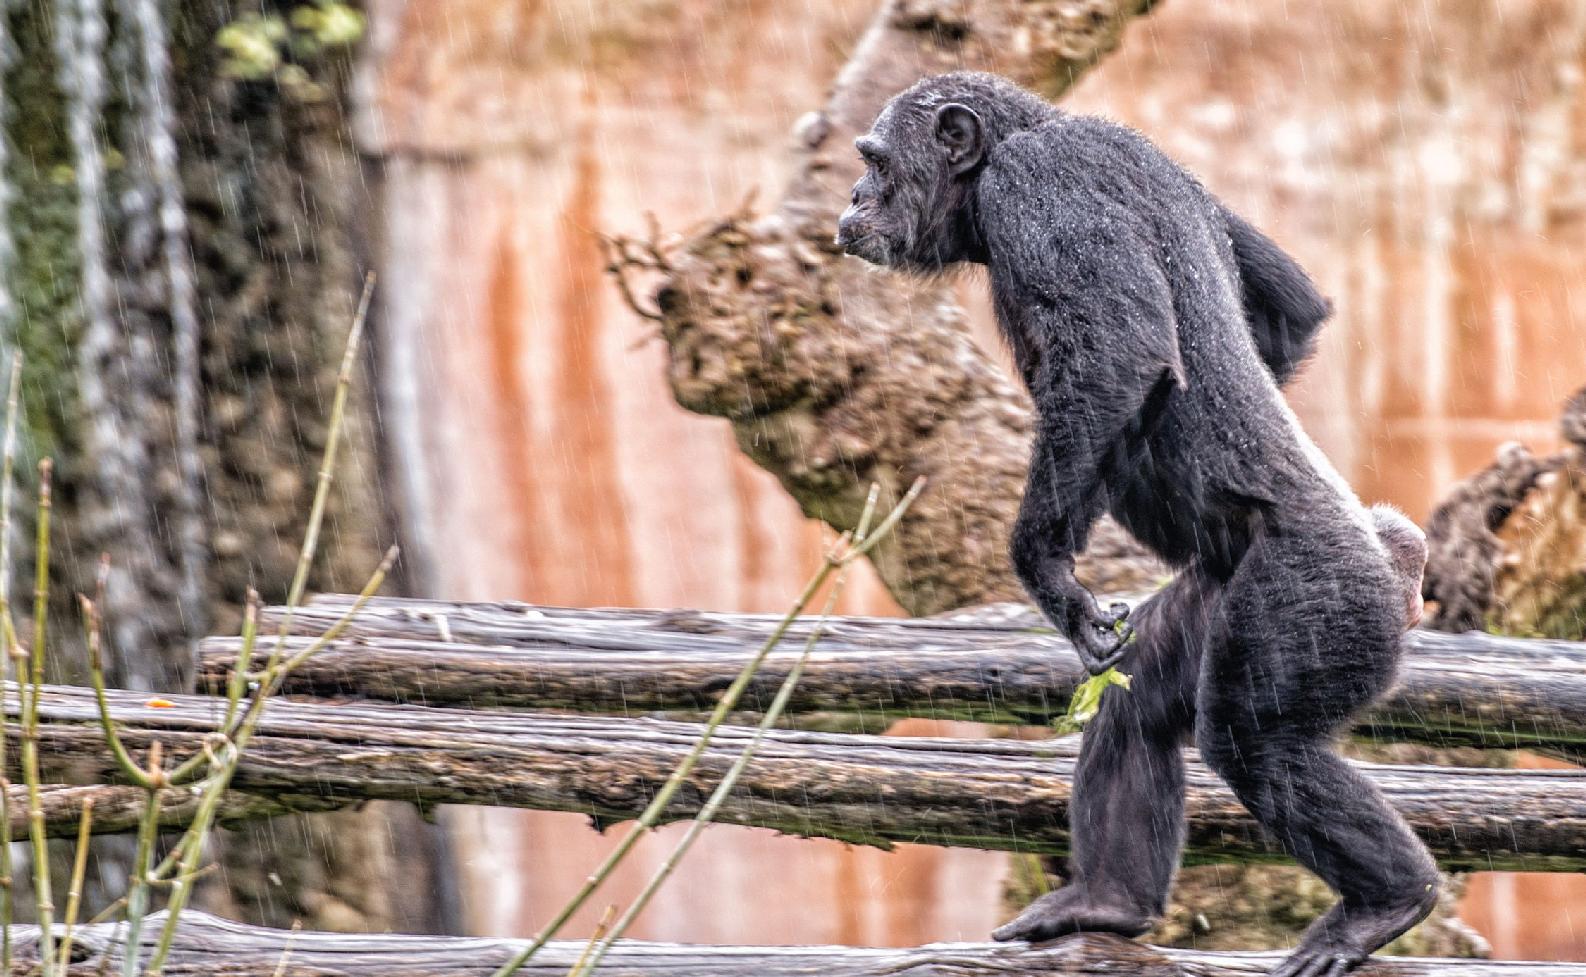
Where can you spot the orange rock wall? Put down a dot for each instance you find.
(1426, 161)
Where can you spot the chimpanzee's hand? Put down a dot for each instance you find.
(1098, 636)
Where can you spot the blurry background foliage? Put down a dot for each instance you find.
(259, 46)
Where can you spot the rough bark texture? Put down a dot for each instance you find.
(1539, 586)
(117, 810)
(1509, 544)
(206, 945)
(1471, 689)
(996, 794)
(270, 189)
(1462, 539)
(834, 375)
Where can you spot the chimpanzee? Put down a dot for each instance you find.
(1152, 327)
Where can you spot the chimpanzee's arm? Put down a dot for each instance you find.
(1096, 317)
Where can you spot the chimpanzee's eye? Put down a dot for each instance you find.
(874, 160)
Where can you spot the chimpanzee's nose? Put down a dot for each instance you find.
(845, 227)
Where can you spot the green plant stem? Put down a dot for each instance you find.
(283, 669)
(7, 643)
(236, 688)
(107, 725)
(104, 915)
(30, 731)
(74, 891)
(138, 887)
(236, 736)
(594, 938)
(190, 847)
(271, 678)
(41, 571)
(652, 812)
(237, 682)
(729, 700)
(590, 961)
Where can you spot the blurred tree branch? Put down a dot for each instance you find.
(834, 375)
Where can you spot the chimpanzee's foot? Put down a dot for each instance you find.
(1342, 940)
(1319, 961)
(1070, 910)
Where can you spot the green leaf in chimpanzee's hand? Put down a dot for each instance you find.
(1087, 700)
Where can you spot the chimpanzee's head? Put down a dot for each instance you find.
(913, 207)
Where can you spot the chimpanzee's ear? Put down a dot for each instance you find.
(959, 131)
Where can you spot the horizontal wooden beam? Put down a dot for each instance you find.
(1467, 689)
(117, 809)
(996, 794)
(206, 945)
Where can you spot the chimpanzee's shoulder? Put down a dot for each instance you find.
(1074, 146)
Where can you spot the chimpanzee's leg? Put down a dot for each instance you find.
(1307, 632)
(1127, 813)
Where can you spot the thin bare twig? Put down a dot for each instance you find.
(618, 263)
(594, 938)
(286, 949)
(841, 561)
(327, 466)
(240, 723)
(729, 700)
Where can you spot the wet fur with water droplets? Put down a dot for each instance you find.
(1153, 327)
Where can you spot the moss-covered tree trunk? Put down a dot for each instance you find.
(193, 473)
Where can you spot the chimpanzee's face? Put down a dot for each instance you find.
(905, 211)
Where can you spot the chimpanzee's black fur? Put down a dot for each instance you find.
(1152, 327)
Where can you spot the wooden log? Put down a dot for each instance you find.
(1468, 689)
(118, 808)
(995, 794)
(207, 946)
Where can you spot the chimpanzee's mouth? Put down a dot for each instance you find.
(853, 244)
(871, 247)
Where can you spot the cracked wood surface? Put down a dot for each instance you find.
(116, 809)
(993, 794)
(206, 945)
(1466, 689)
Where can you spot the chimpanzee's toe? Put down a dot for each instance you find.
(1318, 963)
(1068, 911)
